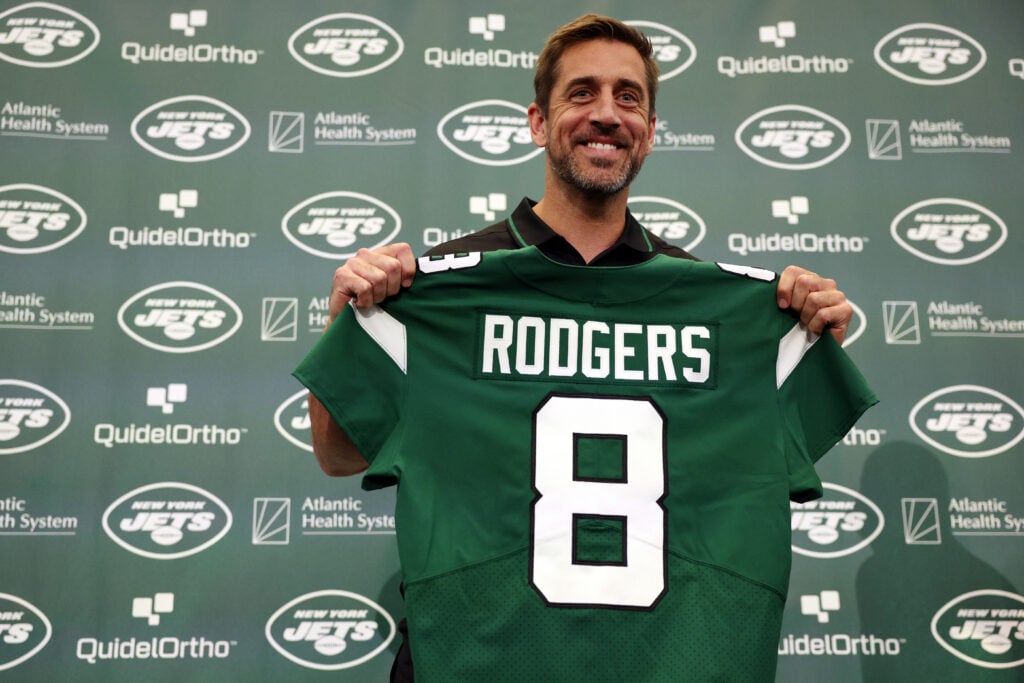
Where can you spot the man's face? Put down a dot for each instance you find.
(599, 126)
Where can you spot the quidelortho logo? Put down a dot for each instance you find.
(330, 630)
(675, 223)
(45, 35)
(840, 523)
(968, 421)
(30, 416)
(953, 232)
(983, 627)
(673, 51)
(34, 219)
(489, 132)
(930, 54)
(336, 225)
(292, 420)
(179, 317)
(792, 137)
(24, 630)
(163, 235)
(346, 45)
(778, 34)
(189, 24)
(178, 434)
(172, 648)
(190, 128)
(167, 520)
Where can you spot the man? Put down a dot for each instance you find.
(594, 113)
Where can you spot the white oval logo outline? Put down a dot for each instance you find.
(519, 109)
(174, 349)
(674, 33)
(52, 396)
(924, 81)
(42, 617)
(924, 436)
(893, 230)
(963, 598)
(856, 495)
(279, 413)
(168, 485)
(333, 592)
(681, 207)
(59, 195)
(854, 332)
(190, 159)
(794, 166)
(346, 74)
(338, 193)
(58, 8)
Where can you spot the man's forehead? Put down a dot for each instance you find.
(601, 59)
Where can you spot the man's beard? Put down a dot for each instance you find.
(570, 170)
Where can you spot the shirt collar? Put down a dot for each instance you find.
(528, 229)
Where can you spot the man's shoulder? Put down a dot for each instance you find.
(491, 238)
(660, 246)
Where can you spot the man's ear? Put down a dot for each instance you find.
(537, 125)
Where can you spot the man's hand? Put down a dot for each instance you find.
(369, 277)
(821, 306)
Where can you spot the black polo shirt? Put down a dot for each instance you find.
(524, 228)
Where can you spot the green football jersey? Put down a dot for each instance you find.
(594, 464)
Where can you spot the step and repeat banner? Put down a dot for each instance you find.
(179, 182)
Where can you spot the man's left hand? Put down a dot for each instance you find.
(820, 304)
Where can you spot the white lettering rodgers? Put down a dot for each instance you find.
(560, 348)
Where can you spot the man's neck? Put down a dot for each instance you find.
(591, 224)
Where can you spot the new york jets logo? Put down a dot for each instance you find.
(179, 317)
(489, 132)
(336, 225)
(952, 232)
(190, 128)
(24, 630)
(292, 420)
(983, 627)
(930, 54)
(45, 35)
(167, 520)
(330, 630)
(968, 421)
(840, 523)
(673, 51)
(675, 223)
(30, 416)
(346, 45)
(34, 219)
(792, 137)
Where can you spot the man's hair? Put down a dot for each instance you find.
(586, 28)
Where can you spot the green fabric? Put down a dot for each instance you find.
(460, 433)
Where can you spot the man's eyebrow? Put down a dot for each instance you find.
(592, 80)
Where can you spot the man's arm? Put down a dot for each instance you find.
(367, 278)
(820, 304)
(337, 455)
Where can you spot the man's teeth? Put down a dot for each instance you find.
(600, 145)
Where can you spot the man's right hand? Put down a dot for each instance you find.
(369, 277)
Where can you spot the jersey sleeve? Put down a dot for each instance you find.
(822, 395)
(357, 371)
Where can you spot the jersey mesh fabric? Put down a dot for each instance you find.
(461, 445)
(472, 632)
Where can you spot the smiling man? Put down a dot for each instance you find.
(498, 450)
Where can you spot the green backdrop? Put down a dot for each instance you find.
(178, 183)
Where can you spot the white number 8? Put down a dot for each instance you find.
(639, 581)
